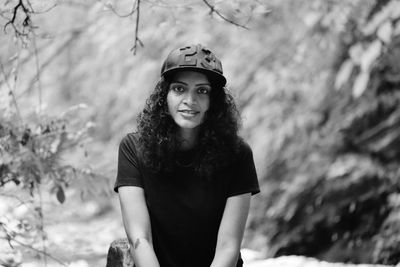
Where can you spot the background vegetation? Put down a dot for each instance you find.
(316, 81)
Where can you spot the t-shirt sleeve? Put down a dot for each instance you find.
(244, 178)
(128, 173)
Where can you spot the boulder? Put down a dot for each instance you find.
(118, 254)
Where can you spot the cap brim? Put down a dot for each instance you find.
(215, 77)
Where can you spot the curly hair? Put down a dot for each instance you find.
(218, 135)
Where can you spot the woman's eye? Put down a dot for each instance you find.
(203, 90)
(178, 88)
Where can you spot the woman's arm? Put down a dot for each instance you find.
(231, 231)
(137, 225)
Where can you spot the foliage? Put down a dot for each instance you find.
(338, 198)
(31, 153)
(31, 161)
(32, 147)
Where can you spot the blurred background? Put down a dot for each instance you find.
(317, 83)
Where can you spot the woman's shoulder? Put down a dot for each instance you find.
(243, 149)
(243, 145)
(130, 140)
(131, 137)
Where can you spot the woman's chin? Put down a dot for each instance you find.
(188, 125)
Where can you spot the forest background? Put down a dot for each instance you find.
(316, 82)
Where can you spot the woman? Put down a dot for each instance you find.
(185, 177)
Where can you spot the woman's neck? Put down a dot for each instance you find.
(189, 138)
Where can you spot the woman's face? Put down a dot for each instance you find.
(189, 99)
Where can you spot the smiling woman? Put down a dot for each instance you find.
(185, 177)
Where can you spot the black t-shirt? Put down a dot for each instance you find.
(185, 209)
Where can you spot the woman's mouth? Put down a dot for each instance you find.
(188, 112)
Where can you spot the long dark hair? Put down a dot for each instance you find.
(218, 137)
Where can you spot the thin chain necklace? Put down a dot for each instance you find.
(190, 164)
(185, 155)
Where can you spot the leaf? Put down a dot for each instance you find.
(385, 32)
(54, 146)
(379, 18)
(395, 11)
(370, 55)
(60, 195)
(344, 74)
(356, 52)
(360, 84)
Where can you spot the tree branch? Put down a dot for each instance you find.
(9, 238)
(40, 211)
(214, 10)
(137, 40)
(11, 92)
(21, 201)
(134, 8)
(46, 10)
(26, 22)
(50, 59)
(38, 73)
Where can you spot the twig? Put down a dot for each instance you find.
(21, 202)
(214, 10)
(73, 31)
(10, 238)
(137, 40)
(134, 8)
(42, 223)
(26, 22)
(50, 59)
(11, 92)
(46, 10)
(38, 72)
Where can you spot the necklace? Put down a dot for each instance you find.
(186, 159)
(190, 164)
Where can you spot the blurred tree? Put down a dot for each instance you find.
(334, 184)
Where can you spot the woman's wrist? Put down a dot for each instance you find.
(225, 257)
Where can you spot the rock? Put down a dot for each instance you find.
(118, 254)
(301, 261)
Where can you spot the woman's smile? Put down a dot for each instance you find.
(188, 112)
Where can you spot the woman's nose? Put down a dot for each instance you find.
(190, 98)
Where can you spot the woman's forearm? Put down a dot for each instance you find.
(230, 233)
(137, 226)
(143, 253)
